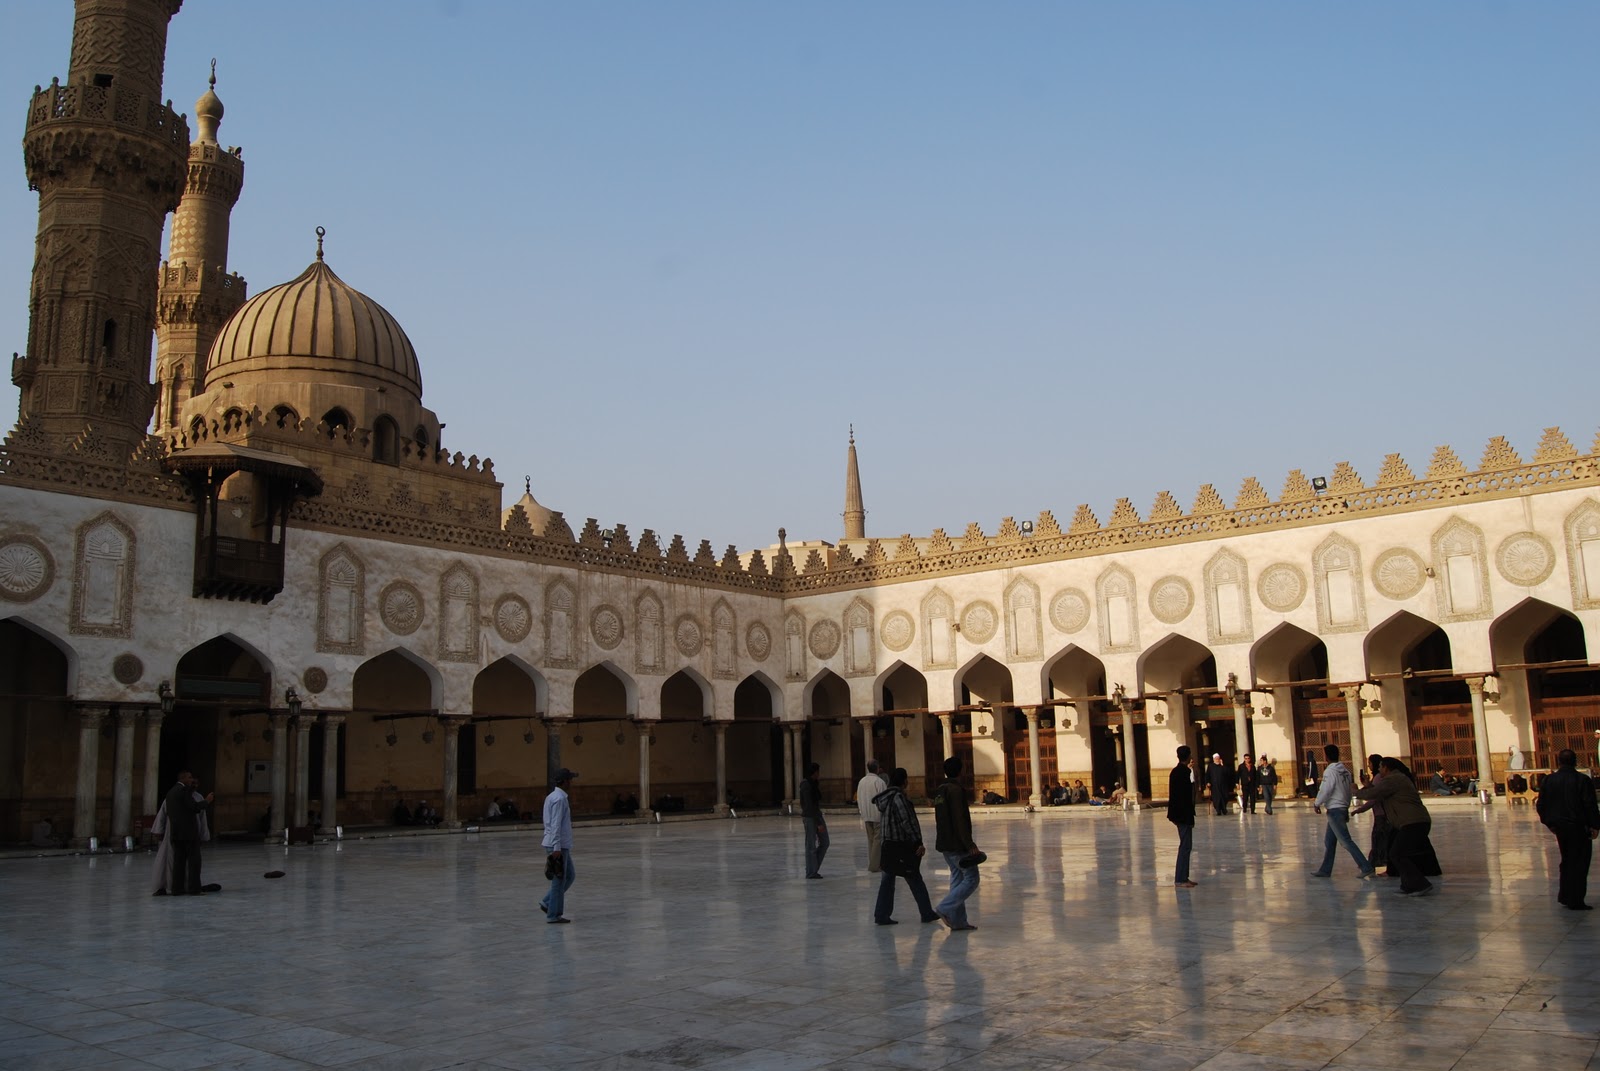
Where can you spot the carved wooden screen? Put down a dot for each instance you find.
(1441, 736)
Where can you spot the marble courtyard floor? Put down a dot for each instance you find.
(697, 944)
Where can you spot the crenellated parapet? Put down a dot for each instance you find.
(1500, 472)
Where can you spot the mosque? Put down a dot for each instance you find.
(251, 554)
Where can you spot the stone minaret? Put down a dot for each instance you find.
(108, 159)
(855, 514)
(197, 295)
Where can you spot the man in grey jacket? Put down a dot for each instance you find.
(1334, 797)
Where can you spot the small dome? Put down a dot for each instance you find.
(315, 328)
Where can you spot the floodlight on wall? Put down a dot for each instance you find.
(168, 700)
(1319, 484)
(291, 699)
(607, 537)
(1026, 528)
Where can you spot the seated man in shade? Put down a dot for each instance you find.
(402, 815)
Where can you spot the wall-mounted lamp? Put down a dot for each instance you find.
(427, 736)
(527, 737)
(1231, 689)
(291, 699)
(488, 740)
(391, 739)
(168, 700)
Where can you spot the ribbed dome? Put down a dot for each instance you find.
(314, 324)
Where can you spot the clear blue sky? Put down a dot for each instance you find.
(660, 256)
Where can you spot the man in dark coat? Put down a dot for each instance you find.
(183, 830)
(1220, 780)
(1181, 791)
(1247, 781)
(816, 827)
(1567, 805)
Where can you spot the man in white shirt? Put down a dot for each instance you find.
(1334, 797)
(557, 843)
(868, 789)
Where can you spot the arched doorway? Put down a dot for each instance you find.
(986, 739)
(1079, 677)
(218, 729)
(1412, 655)
(755, 744)
(505, 702)
(1293, 663)
(1186, 672)
(602, 743)
(38, 733)
(913, 739)
(827, 739)
(394, 741)
(1547, 682)
(683, 758)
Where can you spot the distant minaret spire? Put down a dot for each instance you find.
(855, 514)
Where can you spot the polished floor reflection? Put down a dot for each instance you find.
(699, 945)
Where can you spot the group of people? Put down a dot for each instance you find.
(502, 810)
(1063, 794)
(423, 814)
(1248, 782)
(182, 825)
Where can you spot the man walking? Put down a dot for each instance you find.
(954, 824)
(183, 831)
(1247, 780)
(1268, 776)
(1219, 779)
(902, 852)
(1566, 804)
(558, 847)
(816, 830)
(868, 790)
(1334, 797)
(1182, 787)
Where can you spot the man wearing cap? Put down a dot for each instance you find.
(1220, 780)
(558, 846)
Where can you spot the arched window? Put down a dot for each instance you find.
(233, 420)
(285, 417)
(197, 428)
(420, 437)
(385, 441)
(337, 421)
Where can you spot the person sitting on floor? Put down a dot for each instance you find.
(426, 815)
(402, 815)
(1118, 794)
(509, 811)
(1060, 795)
(494, 813)
(1439, 785)
(1080, 794)
(990, 798)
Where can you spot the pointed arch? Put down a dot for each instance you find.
(1176, 662)
(1389, 648)
(1072, 671)
(1228, 603)
(826, 697)
(1461, 572)
(397, 679)
(1341, 593)
(900, 687)
(1289, 653)
(510, 686)
(686, 696)
(30, 631)
(1024, 636)
(1116, 595)
(604, 691)
(748, 705)
(1511, 633)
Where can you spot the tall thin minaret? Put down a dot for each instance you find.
(197, 295)
(108, 159)
(855, 514)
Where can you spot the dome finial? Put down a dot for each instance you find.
(527, 485)
(213, 72)
(320, 233)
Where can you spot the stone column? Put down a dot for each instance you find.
(552, 748)
(122, 775)
(644, 766)
(1241, 727)
(946, 721)
(797, 771)
(1130, 765)
(1480, 732)
(1352, 712)
(152, 761)
(452, 724)
(720, 729)
(330, 770)
(1034, 796)
(1182, 723)
(89, 721)
(280, 773)
(302, 767)
(866, 743)
(788, 763)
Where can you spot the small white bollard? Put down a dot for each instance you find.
(94, 845)
(127, 844)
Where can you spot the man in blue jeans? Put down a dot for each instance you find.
(1334, 796)
(954, 822)
(557, 843)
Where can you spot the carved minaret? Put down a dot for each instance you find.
(197, 295)
(855, 514)
(108, 159)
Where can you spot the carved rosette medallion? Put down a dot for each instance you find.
(824, 640)
(688, 635)
(897, 630)
(1399, 573)
(979, 621)
(1526, 558)
(1171, 599)
(758, 641)
(1069, 610)
(127, 668)
(400, 607)
(1282, 587)
(26, 569)
(605, 625)
(315, 679)
(513, 618)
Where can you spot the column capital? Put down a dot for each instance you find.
(90, 715)
(1475, 684)
(277, 720)
(1032, 714)
(1350, 691)
(154, 718)
(453, 722)
(719, 727)
(127, 717)
(304, 722)
(332, 721)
